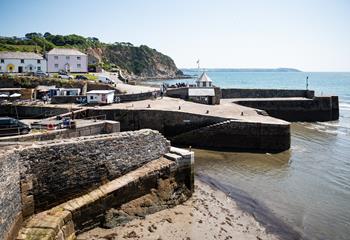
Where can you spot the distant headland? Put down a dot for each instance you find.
(245, 69)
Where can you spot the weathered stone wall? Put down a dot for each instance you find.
(237, 135)
(67, 99)
(10, 195)
(61, 171)
(182, 93)
(310, 110)
(89, 211)
(167, 122)
(30, 112)
(187, 129)
(101, 127)
(136, 96)
(264, 93)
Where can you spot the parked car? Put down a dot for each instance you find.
(104, 79)
(10, 126)
(41, 74)
(63, 76)
(81, 77)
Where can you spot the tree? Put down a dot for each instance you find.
(47, 34)
(33, 34)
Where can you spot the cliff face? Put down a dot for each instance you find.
(136, 62)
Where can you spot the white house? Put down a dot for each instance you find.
(21, 62)
(204, 81)
(69, 60)
(100, 96)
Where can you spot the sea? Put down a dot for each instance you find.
(302, 193)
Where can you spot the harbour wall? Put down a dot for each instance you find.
(35, 112)
(305, 110)
(183, 93)
(82, 178)
(264, 93)
(101, 127)
(187, 129)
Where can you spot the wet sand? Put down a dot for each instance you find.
(208, 214)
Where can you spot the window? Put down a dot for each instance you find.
(78, 58)
(56, 65)
(67, 57)
(56, 57)
(38, 61)
(30, 68)
(78, 65)
(2, 60)
(22, 60)
(39, 68)
(91, 97)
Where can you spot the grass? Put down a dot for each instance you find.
(89, 76)
(21, 48)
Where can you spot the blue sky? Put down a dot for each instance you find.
(312, 35)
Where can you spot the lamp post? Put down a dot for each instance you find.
(307, 82)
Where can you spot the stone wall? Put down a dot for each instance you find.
(186, 129)
(264, 93)
(67, 99)
(237, 135)
(309, 110)
(182, 93)
(36, 112)
(168, 123)
(10, 195)
(136, 96)
(93, 128)
(89, 211)
(61, 171)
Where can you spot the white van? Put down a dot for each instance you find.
(104, 79)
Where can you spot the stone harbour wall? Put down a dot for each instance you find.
(238, 135)
(90, 210)
(35, 112)
(264, 93)
(306, 110)
(61, 171)
(10, 195)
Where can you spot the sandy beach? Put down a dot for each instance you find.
(208, 214)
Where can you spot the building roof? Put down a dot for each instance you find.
(201, 92)
(100, 92)
(204, 78)
(20, 55)
(65, 51)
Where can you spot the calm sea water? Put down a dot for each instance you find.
(307, 187)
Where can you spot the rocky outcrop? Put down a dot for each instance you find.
(135, 62)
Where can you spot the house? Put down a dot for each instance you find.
(21, 62)
(204, 81)
(66, 59)
(69, 91)
(100, 96)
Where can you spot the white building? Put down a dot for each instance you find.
(21, 62)
(100, 96)
(69, 60)
(204, 81)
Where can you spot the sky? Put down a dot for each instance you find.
(310, 35)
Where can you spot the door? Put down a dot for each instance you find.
(20, 69)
